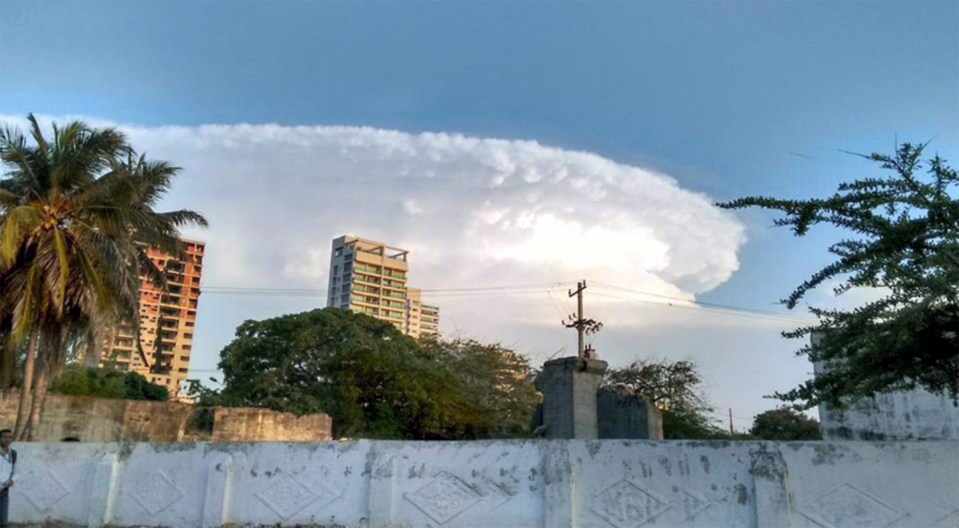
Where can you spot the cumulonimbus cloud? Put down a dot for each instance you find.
(473, 211)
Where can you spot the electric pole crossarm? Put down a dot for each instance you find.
(580, 326)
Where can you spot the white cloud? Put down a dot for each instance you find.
(476, 210)
(411, 207)
(485, 211)
(472, 211)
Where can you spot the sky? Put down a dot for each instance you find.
(509, 144)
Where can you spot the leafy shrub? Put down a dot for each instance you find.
(107, 383)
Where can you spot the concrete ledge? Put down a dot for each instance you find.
(536, 483)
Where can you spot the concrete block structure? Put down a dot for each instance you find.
(369, 277)
(90, 419)
(627, 416)
(905, 415)
(515, 484)
(574, 405)
(569, 387)
(167, 321)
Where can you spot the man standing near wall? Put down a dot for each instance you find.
(8, 466)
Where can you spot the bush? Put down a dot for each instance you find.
(785, 424)
(107, 383)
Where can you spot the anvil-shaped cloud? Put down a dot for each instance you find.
(474, 212)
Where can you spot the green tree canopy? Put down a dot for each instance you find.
(495, 383)
(76, 217)
(107, 383)
(673, 387)
(785, 424)
(373, 380)
(904, 241)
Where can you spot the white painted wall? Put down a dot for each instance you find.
(907, 415)
(502, 484)
(912, 415)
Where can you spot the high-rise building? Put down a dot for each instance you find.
(369, 277)
(430, 320)
(167, 321)
(422, 320)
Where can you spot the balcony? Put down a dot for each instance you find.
(368, 268)
(393, 315)
(363, 309)
(369, 279)
(394, 286)
(371, 301)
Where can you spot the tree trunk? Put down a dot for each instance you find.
(25, 389)
(39, 394)
(93, 350)
(7, 360)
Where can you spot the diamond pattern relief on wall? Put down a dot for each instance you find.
(155, 492)
(290, 495)
(444, 497)
(42, 488)
(692, 503)
(628, 505)
(847, 506)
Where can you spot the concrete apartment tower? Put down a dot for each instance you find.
(369, 277)
(422, 320)
(167, 321)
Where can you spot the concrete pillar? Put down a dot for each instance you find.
(569, 388)
(103, 491)
(560, 483)
(774, 500)
(383, 489)
(219, 492)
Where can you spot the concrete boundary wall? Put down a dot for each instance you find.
(502, 484)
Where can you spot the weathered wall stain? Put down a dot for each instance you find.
(90, 419)
(515, 484)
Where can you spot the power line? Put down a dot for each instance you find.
(244, 289)
(555, 304)
(700, 303)
(532, 289)
(755, 311)
(700, 309)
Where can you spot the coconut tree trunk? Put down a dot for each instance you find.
(36, 403)
(8, 356)
(23, 410)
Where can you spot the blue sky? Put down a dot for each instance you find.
(728, 98)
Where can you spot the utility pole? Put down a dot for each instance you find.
(583, 326)
(731, 432)
(579, 323)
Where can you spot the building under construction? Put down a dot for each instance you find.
(167, 321)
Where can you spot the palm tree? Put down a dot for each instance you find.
(76, 216)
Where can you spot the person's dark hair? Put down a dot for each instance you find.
(5, 431)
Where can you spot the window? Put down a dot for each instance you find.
(337, 252)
